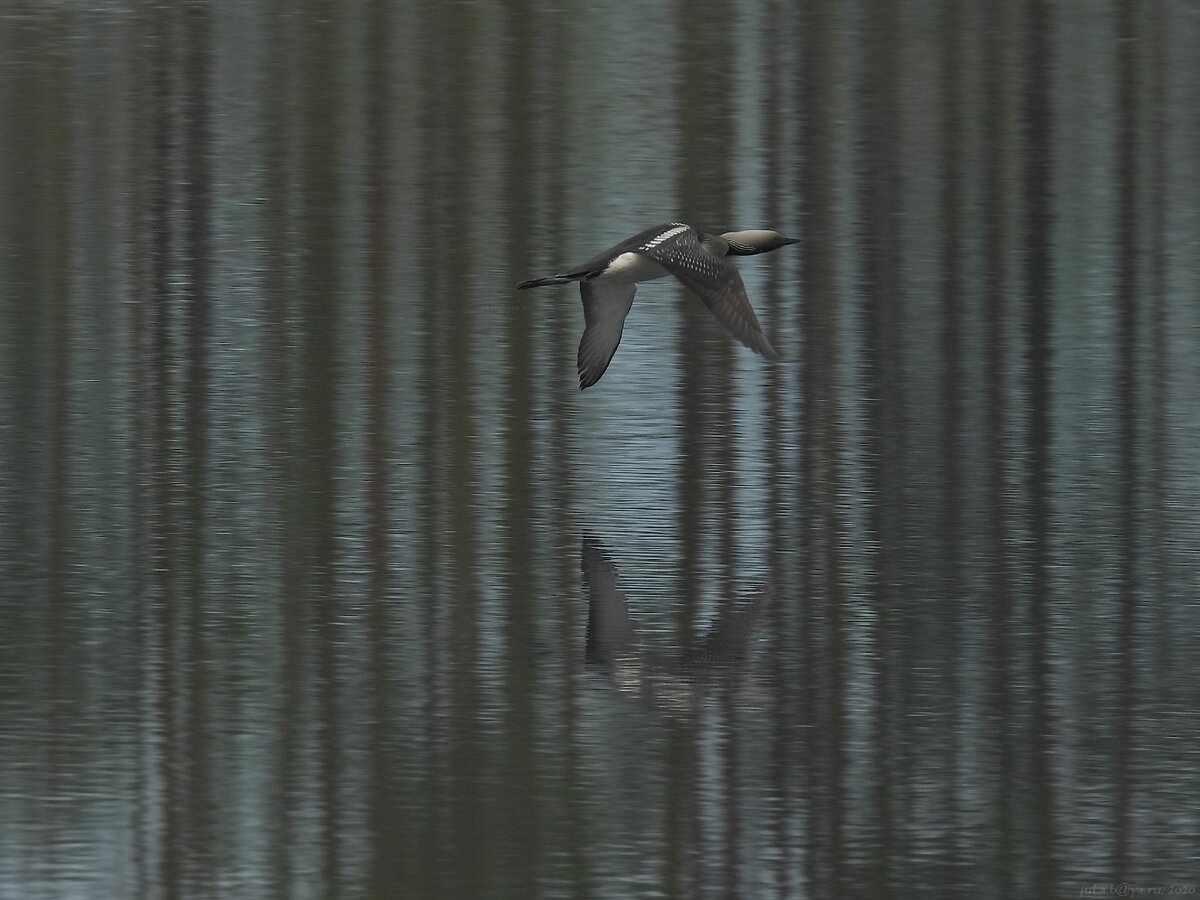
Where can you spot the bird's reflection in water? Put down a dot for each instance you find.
(674, 681)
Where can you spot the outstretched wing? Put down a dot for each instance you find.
(713, 280)
(730, 637)
(605, 307)
(611, 635)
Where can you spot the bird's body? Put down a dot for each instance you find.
(608, 281)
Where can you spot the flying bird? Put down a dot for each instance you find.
(607, 283)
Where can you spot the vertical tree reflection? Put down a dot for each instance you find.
(163, 551)
(995, 288)
(467, 858)
(1127, 289)
(389, 864)
(1038, 285)
(1160, 134)
(823, 638)
(24, 345)
(137, 252)
(707, 442)
(522, 801)
(953, 138)
(197, 296)
(779, 600)
(557, 39)
(53, 229)
(281, 431)
(880, 326)
(320, 296)
(433, 428)
(24, 331)
(707, 142)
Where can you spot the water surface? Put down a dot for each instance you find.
(320, 578)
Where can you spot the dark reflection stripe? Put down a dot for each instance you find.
(466, 844)
(705, 130)
(1163, 599)
(320, 242)
(999, 600)
(809, 33)
(30, 720)
(522, 786)
(432, 787)
(560, 378)
(196, 299)
(279, 400)
(823, 639)
(881, 302)
(1126, 250)
(781, 598)
(53, 227)
(709, 145)
(391, 852)
(953, 376)
(24, 334)
(1038, 277)
(137, 247)
(1160, 67)
(163, 525)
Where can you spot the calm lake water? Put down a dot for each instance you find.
(320, 578)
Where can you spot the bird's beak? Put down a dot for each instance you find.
(787, 241)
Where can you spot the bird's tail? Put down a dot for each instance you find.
(542, 282)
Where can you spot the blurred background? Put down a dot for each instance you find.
(320, 578)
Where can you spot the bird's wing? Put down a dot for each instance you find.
(729, 638)
(605, 307)
(610, 631)
(713, 280)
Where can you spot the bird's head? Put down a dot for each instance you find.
(748, 243)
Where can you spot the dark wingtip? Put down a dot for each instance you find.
(543, 282)
(588, 376)
(592, 548)
(759, 343)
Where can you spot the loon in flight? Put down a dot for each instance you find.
(608, 281)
